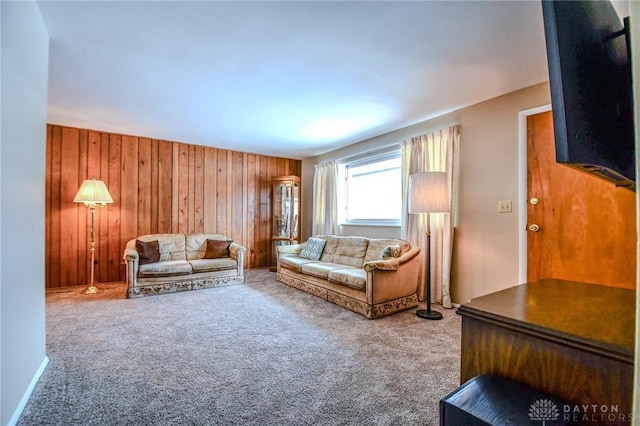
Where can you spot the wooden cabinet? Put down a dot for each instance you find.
(286, 213)
(571, 340)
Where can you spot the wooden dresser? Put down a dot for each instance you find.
(571, 340)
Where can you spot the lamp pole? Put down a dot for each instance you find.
(92, 289)
(428, 313)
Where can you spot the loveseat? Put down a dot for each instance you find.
(167, 263)
(371, 276)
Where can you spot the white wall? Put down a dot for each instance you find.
(486, 256)
(25, 55)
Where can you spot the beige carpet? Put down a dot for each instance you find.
(259, 353)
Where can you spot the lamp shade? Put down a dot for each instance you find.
(428, 192)
(93, 192)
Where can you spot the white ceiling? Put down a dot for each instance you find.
(291, 79)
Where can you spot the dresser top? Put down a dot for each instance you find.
(589, 316)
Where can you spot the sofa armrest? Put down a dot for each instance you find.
(132, 258)
(290, 249)
(385, 265)
(409, 255)
(384, 285)
(237, 252)
(391, 264)
(236, 249)
(130, 255)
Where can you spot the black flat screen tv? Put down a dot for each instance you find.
(589, 58)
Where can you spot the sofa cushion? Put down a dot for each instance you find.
(313, 249)
(319, 269)
(148, 251)
(377, 245)
(292, 262)
(218, 264)
(329, 252)
(351, 251)
(350, 277)
(172, 247)
(166, 268)
(217, 249)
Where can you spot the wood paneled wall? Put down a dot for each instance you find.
(157, 186)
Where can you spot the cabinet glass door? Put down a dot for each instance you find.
(286, 199)
(295, 210)
(281, 210)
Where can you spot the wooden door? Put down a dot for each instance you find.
(587, 226)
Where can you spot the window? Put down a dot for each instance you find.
(372, 190)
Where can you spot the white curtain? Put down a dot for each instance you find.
(433, 152)
(325, 198)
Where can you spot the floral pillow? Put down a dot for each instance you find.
(390, 252)
(313, 249)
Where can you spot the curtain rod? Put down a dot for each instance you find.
(384, 147)
(376, 150)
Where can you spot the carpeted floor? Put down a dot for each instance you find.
(259, 353)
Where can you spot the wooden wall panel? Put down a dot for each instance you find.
(129, 195)
(102, 225)
(144, 187)
(52, 202)
(210, 188)
(237, 192)
(221, 192)
(198, 196)
(158, 187)
(165, 188)
(113, 213)
(70, 216)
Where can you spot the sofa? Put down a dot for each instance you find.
(168, 263)
(374, 277)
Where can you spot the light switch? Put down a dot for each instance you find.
(504, 206)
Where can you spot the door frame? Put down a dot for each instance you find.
(522, 187)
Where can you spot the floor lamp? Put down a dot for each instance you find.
(428, 194)
(93, 193)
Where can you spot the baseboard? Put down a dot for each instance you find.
(27, 394)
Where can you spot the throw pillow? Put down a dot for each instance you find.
(148, 251)
(390, 252)
(217, 248)
(313, 249)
